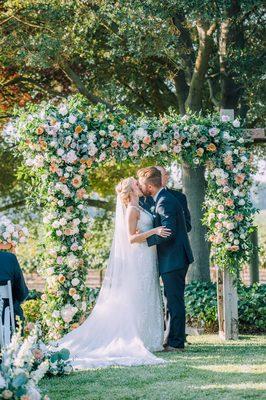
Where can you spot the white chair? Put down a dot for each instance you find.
(8, 327)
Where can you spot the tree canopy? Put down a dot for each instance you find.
(148, 55)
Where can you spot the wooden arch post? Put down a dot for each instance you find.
(227, 297)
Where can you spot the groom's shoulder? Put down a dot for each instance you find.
(168, 197)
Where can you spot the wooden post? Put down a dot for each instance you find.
(254, 259)
(227, 293)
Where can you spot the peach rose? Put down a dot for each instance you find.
(78, 129)
(115, 134)
(53, 167)
(239, 217)
(63, 179)
(122, 122)
(39, 130)
(229, 202)
(147, 139)
(239, 179)
(74, 326)
(126, 144)
(81, 193)
(61, 278)
(42, 144)
(228, 159)
(200, 151)
(212, 238)
(114, 144)
(211, 147)
(234, 248)
(76, 181)
(68, 232)
(87, 235)
(89, 162)
(72, 291)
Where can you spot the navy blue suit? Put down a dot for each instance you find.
(11, 271)
(174, 257)
(148, 202)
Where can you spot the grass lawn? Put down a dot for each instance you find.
(209, 369)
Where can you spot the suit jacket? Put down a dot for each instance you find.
(181, 197)
(174, 252)
(11, 271)
(148, 202)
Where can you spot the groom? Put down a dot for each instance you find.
(174, 252)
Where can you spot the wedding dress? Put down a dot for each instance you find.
(126, 324)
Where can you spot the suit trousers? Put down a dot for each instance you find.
(174, 289)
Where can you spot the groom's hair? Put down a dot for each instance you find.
(152, 176)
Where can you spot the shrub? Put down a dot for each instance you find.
(99, 244)
(201, 306)
(252, 308)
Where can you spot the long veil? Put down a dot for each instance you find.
(110, 336)
(118, 271)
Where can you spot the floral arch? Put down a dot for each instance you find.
(61, 142)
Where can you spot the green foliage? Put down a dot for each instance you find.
(252, 308)
(99, 244)
(201, 306)
(139, 53)
(32, 310)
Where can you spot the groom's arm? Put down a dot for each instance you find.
(167, 211)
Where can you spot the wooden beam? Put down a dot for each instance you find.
(227, 292)
(257, 134)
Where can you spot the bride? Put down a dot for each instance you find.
(126, 324)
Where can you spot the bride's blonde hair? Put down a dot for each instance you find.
(124, 189)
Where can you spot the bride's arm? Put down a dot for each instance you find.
(136, 237)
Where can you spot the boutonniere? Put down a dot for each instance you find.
(152, 209)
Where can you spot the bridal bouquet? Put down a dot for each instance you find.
(11, 233)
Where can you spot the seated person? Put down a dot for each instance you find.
(10, 271)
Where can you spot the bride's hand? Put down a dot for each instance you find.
(162, 231)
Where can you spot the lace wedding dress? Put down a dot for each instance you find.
(126, 324)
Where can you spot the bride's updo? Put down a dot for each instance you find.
(124, 190)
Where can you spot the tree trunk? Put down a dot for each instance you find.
(254, 260)
(194, 188)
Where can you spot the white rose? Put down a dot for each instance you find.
(60, 152)
(63, 110)
(225, 118)
(56, 314)
(59, 233)
(75, 281)
(55, 224)
(60, 203)
(76, 297)
(236, 123)
(241, 202)
(226, 136)
(62, 221)
(111, 127)
(72, 119)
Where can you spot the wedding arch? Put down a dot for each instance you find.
(61, 142)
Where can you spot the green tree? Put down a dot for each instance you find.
(196, 55)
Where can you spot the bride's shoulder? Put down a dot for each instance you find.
(133, 211)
